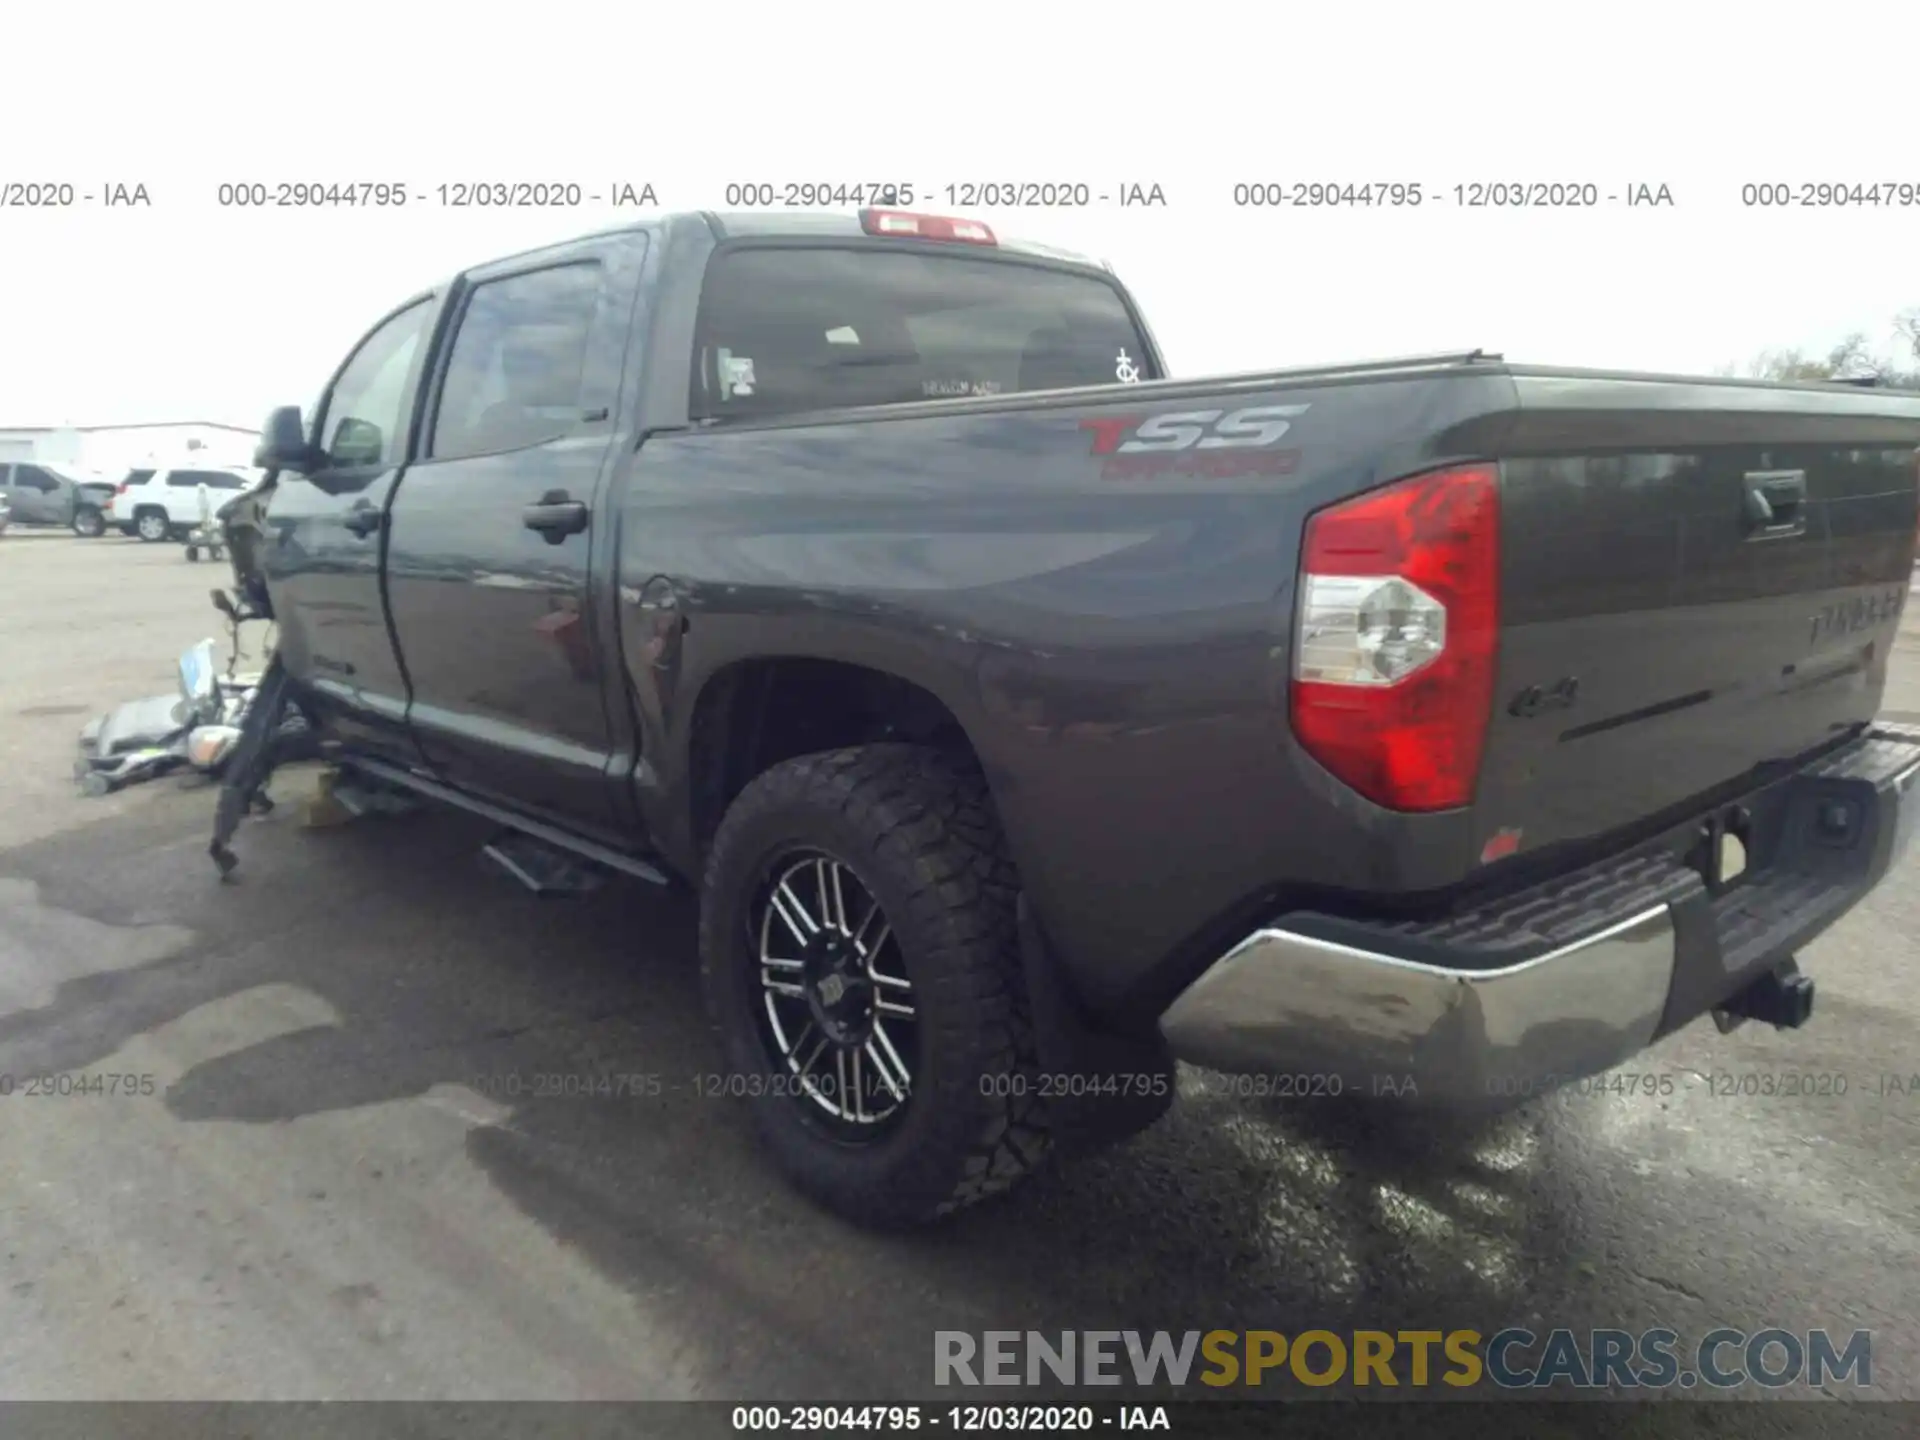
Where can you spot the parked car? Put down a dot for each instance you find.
(165, 504)
(43, 494)
(1433, 730)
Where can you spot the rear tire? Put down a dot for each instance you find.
(916, 834)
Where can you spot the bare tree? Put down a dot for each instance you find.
(1788, 365)
(1854, 358)
(1907, 326)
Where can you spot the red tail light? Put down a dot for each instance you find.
(1399, 619)
(904, 225)
(121, 488)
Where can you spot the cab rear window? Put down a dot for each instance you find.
(785, 330)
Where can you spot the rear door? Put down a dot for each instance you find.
(490, 557)
(321, 558)
(1677, 614)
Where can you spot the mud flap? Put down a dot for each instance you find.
(260, 748)
(1105, 1087)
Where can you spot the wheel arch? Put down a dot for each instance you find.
(752, 713)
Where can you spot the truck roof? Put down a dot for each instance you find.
(782, 224)
(778, 223)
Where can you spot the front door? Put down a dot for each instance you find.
(321, 555)
(37, 497)
(489, 561)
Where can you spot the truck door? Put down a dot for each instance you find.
(321, 555)
(490, 559)
(35, 496)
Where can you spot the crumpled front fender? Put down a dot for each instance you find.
(243, 524)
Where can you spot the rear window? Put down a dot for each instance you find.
(212, 479)
(788, 330)
(138, 477)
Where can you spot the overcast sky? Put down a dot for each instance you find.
(186, 310)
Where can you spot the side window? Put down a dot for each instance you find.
(513, 375)
(32, 477)
(366, 410)
(182, 479)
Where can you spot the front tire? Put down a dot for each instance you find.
(800, 995)
(88, 523)
(152, 526)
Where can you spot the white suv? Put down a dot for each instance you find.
(165, 504)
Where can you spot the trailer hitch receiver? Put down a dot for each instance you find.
(1782, 998)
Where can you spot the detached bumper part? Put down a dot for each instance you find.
(1484, 1009)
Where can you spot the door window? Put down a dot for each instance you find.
(513, 376)
(366, 412)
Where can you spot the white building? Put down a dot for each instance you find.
(111, 448)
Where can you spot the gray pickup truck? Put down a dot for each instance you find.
(1431, 730)
(54, 495)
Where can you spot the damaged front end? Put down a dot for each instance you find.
(273, 730)
(204, 723)
(242, 522)
(193, 726)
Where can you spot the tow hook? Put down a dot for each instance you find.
(1782, 998)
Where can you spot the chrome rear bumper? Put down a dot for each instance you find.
(1486, 1008)
(1347, 1021)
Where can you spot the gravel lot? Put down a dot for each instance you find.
(321, 1185)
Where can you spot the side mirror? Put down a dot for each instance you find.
(356, 442)
(283, 443)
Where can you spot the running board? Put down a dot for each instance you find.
(361, 800)
(549, 834)
(545, 869)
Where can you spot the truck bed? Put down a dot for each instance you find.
(1127, 624)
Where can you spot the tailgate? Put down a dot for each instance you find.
(1721, 596)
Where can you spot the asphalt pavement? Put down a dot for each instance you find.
(352, 1149)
